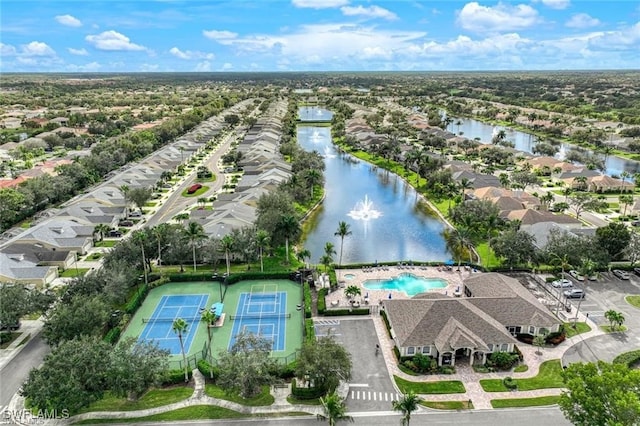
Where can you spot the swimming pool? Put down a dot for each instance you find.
(349, 276)
(408, 283)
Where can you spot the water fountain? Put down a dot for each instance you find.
(363, 210)
(328, 153)
(315, 137)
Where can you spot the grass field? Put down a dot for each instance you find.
(549, 376)
(525, 402)
(440, 387)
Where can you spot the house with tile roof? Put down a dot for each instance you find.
(494, 309)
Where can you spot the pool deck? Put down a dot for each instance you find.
(337, 299)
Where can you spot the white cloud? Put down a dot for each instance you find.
(627, 39)
(227, 66)
(91, 66)
(498, 19)
(112, 40)
(219, 35)
(37, 48)
(203, 66)
(582, 20)
(79, 52)
(555, 4)
(319, 4)
(68, 21)
(188, 54)
(149, 67)
(369, 12)
(7, 50)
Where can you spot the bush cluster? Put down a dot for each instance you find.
(305, 393)
(421, 364)
(502, 360)
(509, 383)
(132, 305)
(342, 312)
(322, 303)
(307, 300)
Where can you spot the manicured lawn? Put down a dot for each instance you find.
(633, 300)
(264, 398)
(525, 402)
(106, 243)
(198, 193)
(616, 329)
(448, 405)
(294, 400)
(487, 255)
(73, 272)
(151, 399)
(521, 368)
(581, 327)
(549, 376)
(198, 412)
(440, 387)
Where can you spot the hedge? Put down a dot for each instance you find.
(234, 278)
(132, 306)
(383, 314)
(112, 335)
(307, 300)
(342, 312)
(205, 369)
(310, 331)
(305, 393)
(174, 377)
(628, 358)
(322, 303)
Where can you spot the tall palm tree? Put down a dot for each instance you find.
(303, 255)
(180, 327)
(464, 184)
(140, 237)
(262, 240)
(160, 233)
(342, 231)
(124, 189)
(313, 178)
(101, 229)
(626, 201)
(406, 405)
(226, 244)
(334, 409)
(290, 228)
(209, 318)
(195, 233)
(459, 239)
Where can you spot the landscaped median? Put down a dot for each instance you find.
(549, 376)
(430, 388)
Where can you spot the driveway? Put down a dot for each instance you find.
(370, 388)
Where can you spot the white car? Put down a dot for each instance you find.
(563, 283)
(576, 275)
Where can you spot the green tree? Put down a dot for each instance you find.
(135, 366)
(139, 196)
(72, 376)
(289, 228)
(179, 327)
(524, 179)
(226, 244)
(342, 231)
(539, 342)
(406, 405)
(352, 290)
(632, 252)
(325, 362)
(334, 409)
(247, 366)
(614, 238)
(195, 234)
(626, 201)
(139, 238)
(101, 230)
(209, 318)
(601, 394)
(17, 301)
(12, 202)
(615, 318)
(262, 239)
(458, 240)
(516, 247)
(81, 316)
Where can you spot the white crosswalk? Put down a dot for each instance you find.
(367, 395)
(327, 322)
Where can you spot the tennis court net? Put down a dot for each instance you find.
(159, 319)
(259, 316)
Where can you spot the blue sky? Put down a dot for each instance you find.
(317, 35)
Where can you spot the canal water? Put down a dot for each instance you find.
(525, 142)
(388, 222)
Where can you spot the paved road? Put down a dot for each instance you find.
(507, 417)
(17, 370)
(370, 386)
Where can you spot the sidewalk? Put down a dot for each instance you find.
(29, 328)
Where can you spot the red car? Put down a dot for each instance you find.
(193, 188)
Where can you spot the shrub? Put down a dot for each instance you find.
(628, 358)
(322, 303)
(284, 371)
(525, 338)
(5, 337)
(310, 330)
(509, 383)
(205, 368)
(556, 337)
(307, 300)
(305, 393)
(136, 300)
(446, 369)
(342, 312)
(503, 360)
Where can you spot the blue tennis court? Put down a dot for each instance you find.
(263, 313)
(158, 327)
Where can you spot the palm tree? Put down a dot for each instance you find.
(303, 254)
(313, 177)
(334, 409)
(624, 176)
(464, 184)
(101, 229)
(180, 327)
(124, 189)
(262, 240)
(160, 233)
(582, 182)
(626, 201)
(561, 261)
(226, 244)
(406, 405)
(342, 231)
(195, 233)
(460, 239)
(140, 237)
(290, 228)
(209, 318)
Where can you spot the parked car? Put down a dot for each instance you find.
(636, 271)
(576, 275)
(623, 275)
(10, 327)
(115, 233)
(574, 293)
(563, 283)
(593, 277)
(135, 213)
(125, 223)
